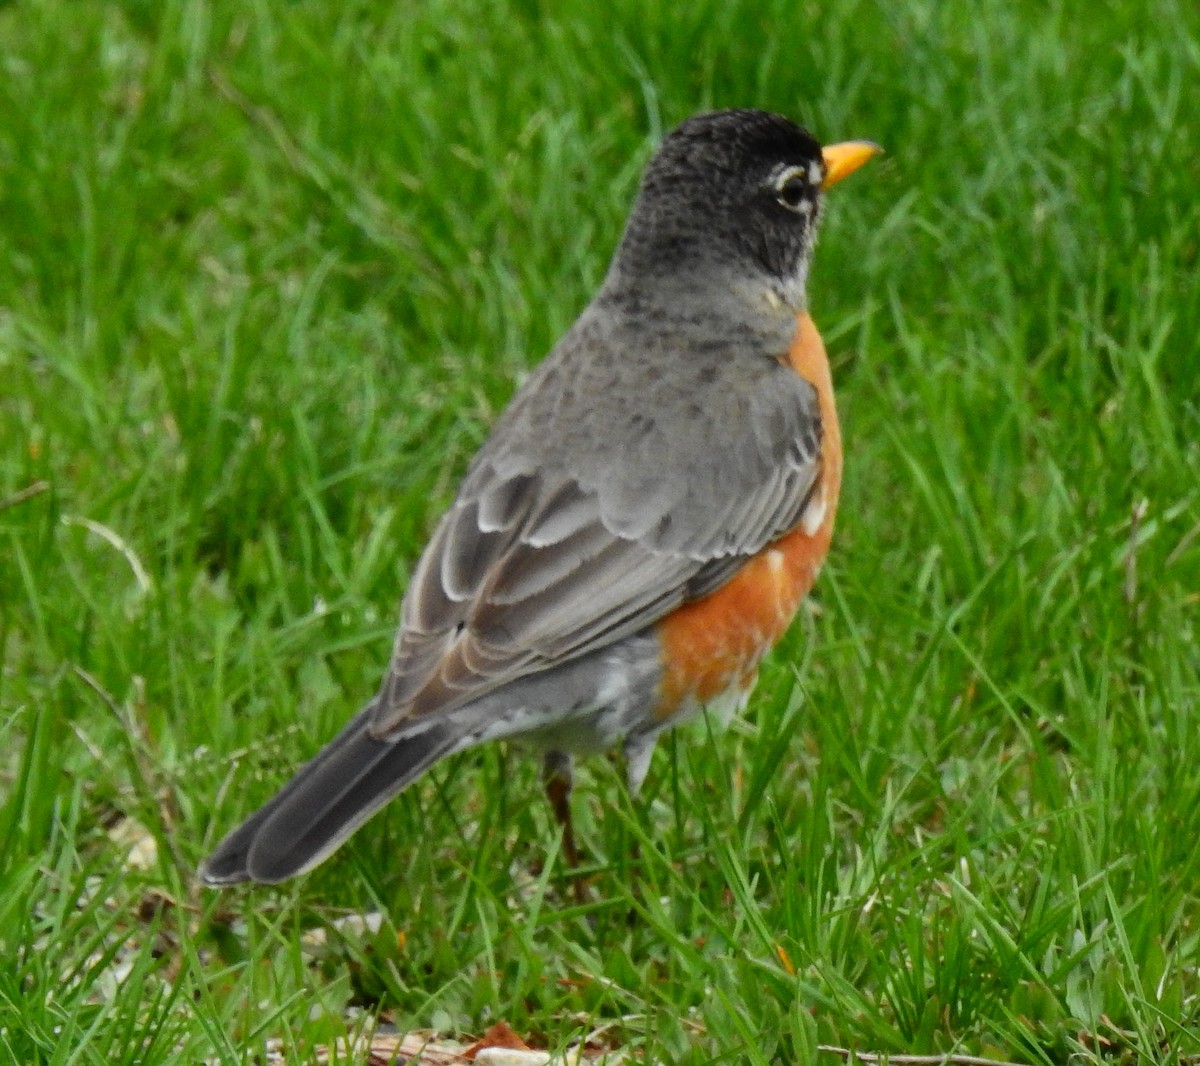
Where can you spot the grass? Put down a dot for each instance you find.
(267, 273)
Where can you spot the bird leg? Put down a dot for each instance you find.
(558, 778)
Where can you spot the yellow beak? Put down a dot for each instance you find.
(842, 160)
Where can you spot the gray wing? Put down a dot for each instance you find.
(560, 542)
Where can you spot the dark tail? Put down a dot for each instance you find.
(330, 797)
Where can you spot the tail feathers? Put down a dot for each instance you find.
(324, 803)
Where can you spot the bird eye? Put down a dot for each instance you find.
(791, 188)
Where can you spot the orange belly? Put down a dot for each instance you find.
(715, 643)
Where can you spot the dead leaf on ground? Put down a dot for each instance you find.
(499, 1046)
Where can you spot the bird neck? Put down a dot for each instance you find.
(701, 291)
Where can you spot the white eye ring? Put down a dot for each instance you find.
(791, 189)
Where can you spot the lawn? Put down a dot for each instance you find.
(268, 272)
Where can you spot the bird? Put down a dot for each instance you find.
(643, 520)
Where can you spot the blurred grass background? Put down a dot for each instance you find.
(267, 274)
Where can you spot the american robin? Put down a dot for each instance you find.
(643, 521)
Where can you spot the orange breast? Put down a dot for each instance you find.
(716, 643)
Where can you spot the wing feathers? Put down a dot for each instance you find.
(546, 556)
